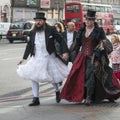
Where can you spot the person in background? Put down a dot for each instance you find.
(70, 34)
(90, 77)
(59, 26)
(115, 55)
(44, 66)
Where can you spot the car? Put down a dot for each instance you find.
(4, 27)
(19, 31)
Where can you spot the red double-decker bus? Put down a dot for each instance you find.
(76, 11)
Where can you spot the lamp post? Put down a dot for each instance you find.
(12, 5)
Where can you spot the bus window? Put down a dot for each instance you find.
(84, 8)
(98, 9)
(108, 9)
(91, 7)
(73, 8)
(102, 9)
(74, 20)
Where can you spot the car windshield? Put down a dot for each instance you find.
(16, 26)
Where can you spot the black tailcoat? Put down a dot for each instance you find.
(51, 35)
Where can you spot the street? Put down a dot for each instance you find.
(16, 94)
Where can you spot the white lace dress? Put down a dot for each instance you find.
(43, 67)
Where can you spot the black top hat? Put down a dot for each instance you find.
(40, 15)
(91, 14)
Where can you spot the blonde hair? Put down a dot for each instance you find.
(117, 39)
(60, 26)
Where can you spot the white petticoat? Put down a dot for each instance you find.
(44, 69)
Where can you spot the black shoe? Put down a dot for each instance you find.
(88, 101)
(35, 102)
(58, 99)
(111, 100)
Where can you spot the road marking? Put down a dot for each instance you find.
(5, 59)
(23, 97)
(10, 49)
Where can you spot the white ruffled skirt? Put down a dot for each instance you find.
(44, 69)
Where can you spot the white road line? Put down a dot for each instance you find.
(10, 49)
(5, 59)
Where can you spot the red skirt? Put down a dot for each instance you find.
(73, 89)
(116, 79)
(117, 74)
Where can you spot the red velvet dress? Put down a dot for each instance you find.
(73, 89)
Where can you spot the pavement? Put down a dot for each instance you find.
(16, 108)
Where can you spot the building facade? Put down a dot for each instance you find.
(19, 10)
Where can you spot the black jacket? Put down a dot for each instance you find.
(64, 34)
(98, 34)
(51, 35)
(73, 54)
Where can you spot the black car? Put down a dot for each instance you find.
(18, 30)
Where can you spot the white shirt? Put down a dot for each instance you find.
(40, 42)
(69, 38)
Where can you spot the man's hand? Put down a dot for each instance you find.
(65, 56)
(20, 62)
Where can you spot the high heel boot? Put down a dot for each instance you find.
(88, 101)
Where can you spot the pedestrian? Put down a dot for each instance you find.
(115, 55)
(43, 66)
(59, 26)
(70, 34)
(90, 77)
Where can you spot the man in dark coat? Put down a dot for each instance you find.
(43, 65)
(70, 34)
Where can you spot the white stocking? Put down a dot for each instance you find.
(56, 86)
(35, 88)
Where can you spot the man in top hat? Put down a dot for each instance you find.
(44, 66)
(86, 81)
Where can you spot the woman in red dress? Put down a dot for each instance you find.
(90, 77)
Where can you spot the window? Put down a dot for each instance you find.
(28, 26)
(74, 20)
(73, 8)
(98, 9)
